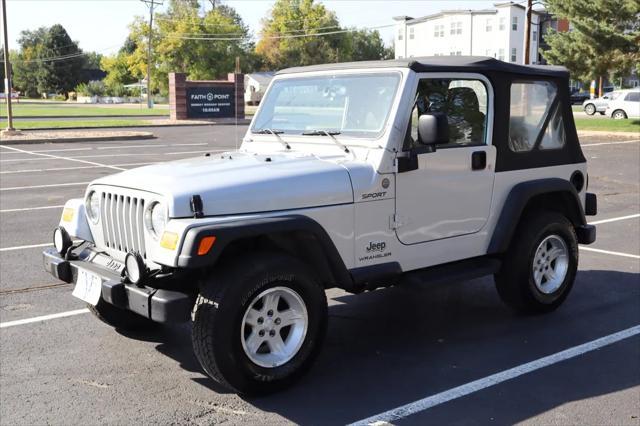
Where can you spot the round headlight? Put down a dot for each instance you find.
(93, 206)
(155, 219)
(61, 240)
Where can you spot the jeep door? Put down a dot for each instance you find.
(448, 192)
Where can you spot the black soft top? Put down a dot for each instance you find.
(481, 64)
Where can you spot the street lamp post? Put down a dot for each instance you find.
(527, 34)
(7, 71)
(151, 4)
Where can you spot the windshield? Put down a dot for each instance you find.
(354, 105)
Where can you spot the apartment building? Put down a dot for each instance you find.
(497, 32)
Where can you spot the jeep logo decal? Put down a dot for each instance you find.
(376, 246)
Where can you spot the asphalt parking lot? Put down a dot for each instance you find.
(385, 349)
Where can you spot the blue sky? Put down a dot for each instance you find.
(101, 25)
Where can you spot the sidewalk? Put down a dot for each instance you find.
(61, 136)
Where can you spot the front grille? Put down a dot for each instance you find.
(122, 220)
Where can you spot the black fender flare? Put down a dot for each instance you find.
(228, 232)
(517, 201)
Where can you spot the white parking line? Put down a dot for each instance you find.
(614, 219)
(613, 253)
(30, 208)
(136, 154)
(149, 145)
(423, 404)
(131, 146)
(43, 318)
(17, 188)
(197, 152)
(25, 247)
(76, 158)
(61, 158)
(9, 172)
(52, 150)
(611, 143)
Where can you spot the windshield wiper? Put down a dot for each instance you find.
(331, 134)
(275, 133)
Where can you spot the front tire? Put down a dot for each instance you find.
(540, 266)
(590, 109)
(258, 328)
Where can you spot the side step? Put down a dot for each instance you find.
(455, 271)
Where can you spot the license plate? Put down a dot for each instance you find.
(88, 287)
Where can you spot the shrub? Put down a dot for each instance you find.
(82, 89)
(116, 89)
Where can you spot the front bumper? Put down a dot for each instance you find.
(160, 305)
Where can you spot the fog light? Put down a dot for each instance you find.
(135, 269)
(61, 240)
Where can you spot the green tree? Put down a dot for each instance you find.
(202, 46)
(366, 45)
(604, 39)
(282, 43)
(27, 63)
(48, 61)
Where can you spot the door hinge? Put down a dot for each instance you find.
(396, 221)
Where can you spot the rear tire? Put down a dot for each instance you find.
(540, 265)
(257, 328)
(618, 115)
(590, 109)
(119, 318)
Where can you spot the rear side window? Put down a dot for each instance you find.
(531, 103)
(554, 136)
(633, 97)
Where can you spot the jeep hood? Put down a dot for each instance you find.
(237, 183)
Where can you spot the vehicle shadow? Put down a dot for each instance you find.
(394, 346)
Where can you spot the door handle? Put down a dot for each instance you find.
(479, 160)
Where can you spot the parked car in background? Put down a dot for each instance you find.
(626, 105)
(591, 106)
(578, 97)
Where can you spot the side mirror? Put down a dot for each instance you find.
(433, 129)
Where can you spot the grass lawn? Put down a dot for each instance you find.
(608, 124)
(28, 109)
(75, 123)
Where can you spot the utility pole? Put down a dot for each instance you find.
(7, 71)
(151, 4)
(527, 33)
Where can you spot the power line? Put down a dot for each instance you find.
(62, 57)
(277, 36)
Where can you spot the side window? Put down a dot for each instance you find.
(554, 137)
(465, 103)
(530, 104)
(633, 97)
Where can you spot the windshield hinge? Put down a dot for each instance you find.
(396, 221)
(196, 206)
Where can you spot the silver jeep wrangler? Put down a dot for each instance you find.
(356, 176)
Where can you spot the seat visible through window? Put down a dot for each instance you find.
(463, 101)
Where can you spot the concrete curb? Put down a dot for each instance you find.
(100, 117)
(240, 123)
(585, 133)
(80, 139)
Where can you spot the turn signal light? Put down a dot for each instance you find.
(169, 240)
(67, 215)
(205, 245)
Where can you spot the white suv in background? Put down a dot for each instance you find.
(627, 105)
